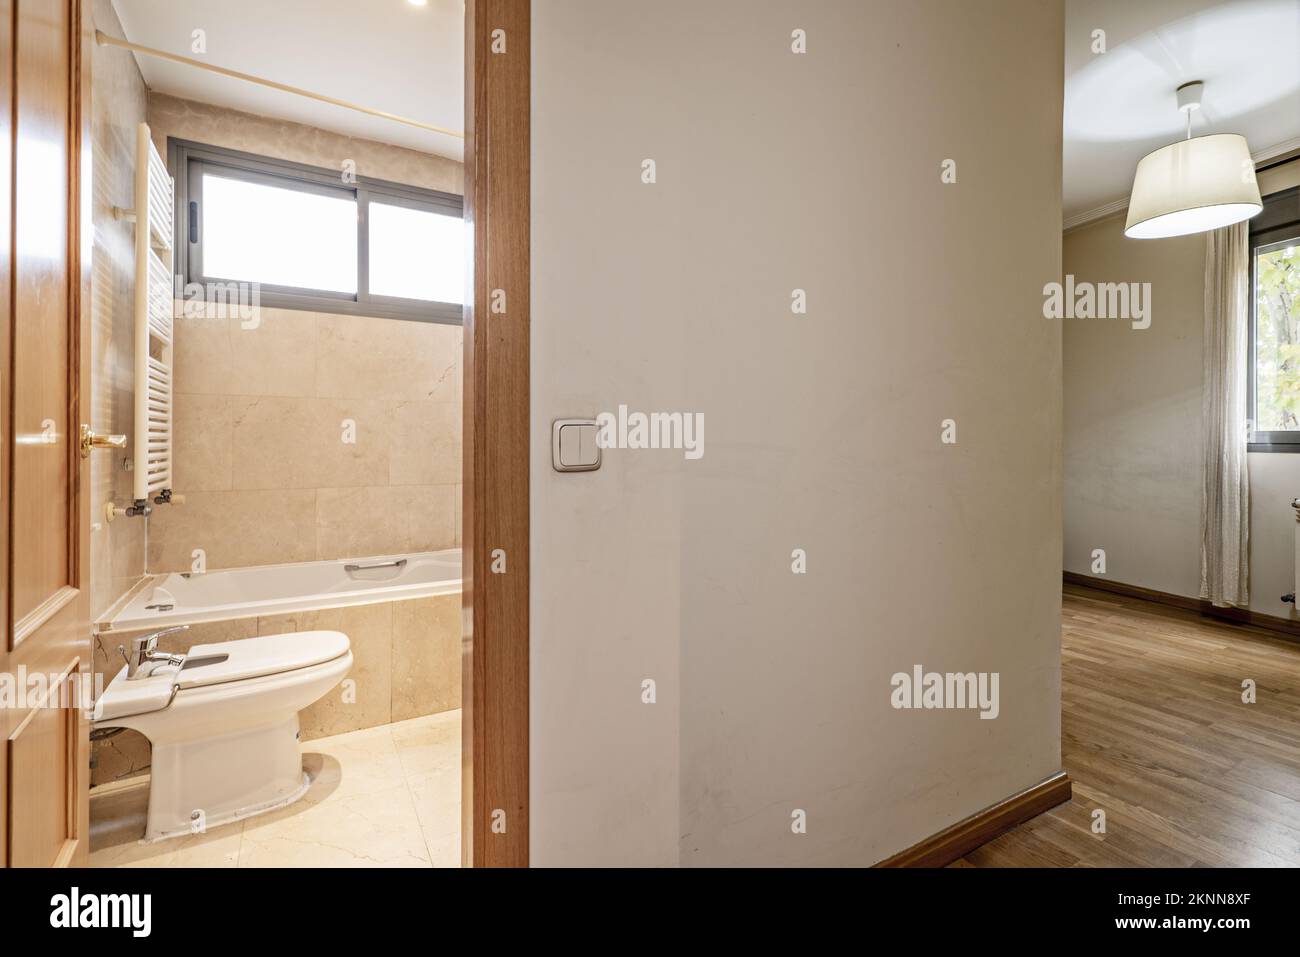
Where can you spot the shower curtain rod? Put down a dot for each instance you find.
(104, 39)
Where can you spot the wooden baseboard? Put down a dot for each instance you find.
(1237, 616)
(954, 842)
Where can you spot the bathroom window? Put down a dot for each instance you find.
(1274, 398)
(315, 239)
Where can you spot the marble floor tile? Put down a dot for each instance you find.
(387, 796)
(365, 830)
(353, 763)
(428, 744)
(437, 805)
(218, 847)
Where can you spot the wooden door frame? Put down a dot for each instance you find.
(495, 537)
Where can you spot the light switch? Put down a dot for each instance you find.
(573, 445)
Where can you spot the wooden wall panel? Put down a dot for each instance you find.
(44, 365)
(45, 778)
(42, 252)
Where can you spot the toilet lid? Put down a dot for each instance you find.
(258, 657)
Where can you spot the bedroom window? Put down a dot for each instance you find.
(1274, 397)
(313, 239)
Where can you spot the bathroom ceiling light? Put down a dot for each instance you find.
(1195, 185)
(418, 3)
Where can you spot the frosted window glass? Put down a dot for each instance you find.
(416, 254)
(281, 237)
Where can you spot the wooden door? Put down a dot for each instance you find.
(44, 370)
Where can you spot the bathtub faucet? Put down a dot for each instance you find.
(144, 651)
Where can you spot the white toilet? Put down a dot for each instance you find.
(223, 722)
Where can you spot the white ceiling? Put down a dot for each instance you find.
(1120, 105)
(405, 59)
(389, 55)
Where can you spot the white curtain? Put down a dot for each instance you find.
(1225, 502)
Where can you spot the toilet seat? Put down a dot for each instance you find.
(258, 657)
(238, 660)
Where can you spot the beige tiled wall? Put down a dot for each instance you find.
(283, 139)
(406, 663)
(118, 105)
(259, 451)
(260, 456)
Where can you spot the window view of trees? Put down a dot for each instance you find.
(1277, 339)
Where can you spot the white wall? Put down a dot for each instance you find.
(1133, 426)
(1133, 413)
(778, 171)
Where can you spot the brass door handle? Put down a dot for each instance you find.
(97, 440)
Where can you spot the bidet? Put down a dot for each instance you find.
(222, 723)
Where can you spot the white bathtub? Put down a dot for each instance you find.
(277, 589)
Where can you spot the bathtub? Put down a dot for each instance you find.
(182, 598)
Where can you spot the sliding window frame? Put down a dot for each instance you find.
(1277, 226)
(188, 160)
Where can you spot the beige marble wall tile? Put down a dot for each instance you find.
(353, 523)
(449, 355)
(118, 104)
(203, 437)
(426, 656)
(235, 529)
(368, 700)
(426, 443)
(201, 355)
(299, 442)
(277, 356)
(360, 356)
(357, 522)
(122, 756)
(126, 545)
(425, 516)
(283, 139)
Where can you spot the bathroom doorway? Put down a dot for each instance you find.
(283, 432)
(307, 479)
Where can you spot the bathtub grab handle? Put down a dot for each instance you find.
(399, 563)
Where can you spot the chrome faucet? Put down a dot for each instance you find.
(144, 651)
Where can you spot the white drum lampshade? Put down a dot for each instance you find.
(1193, 186)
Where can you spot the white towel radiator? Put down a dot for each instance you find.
(154, 207)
